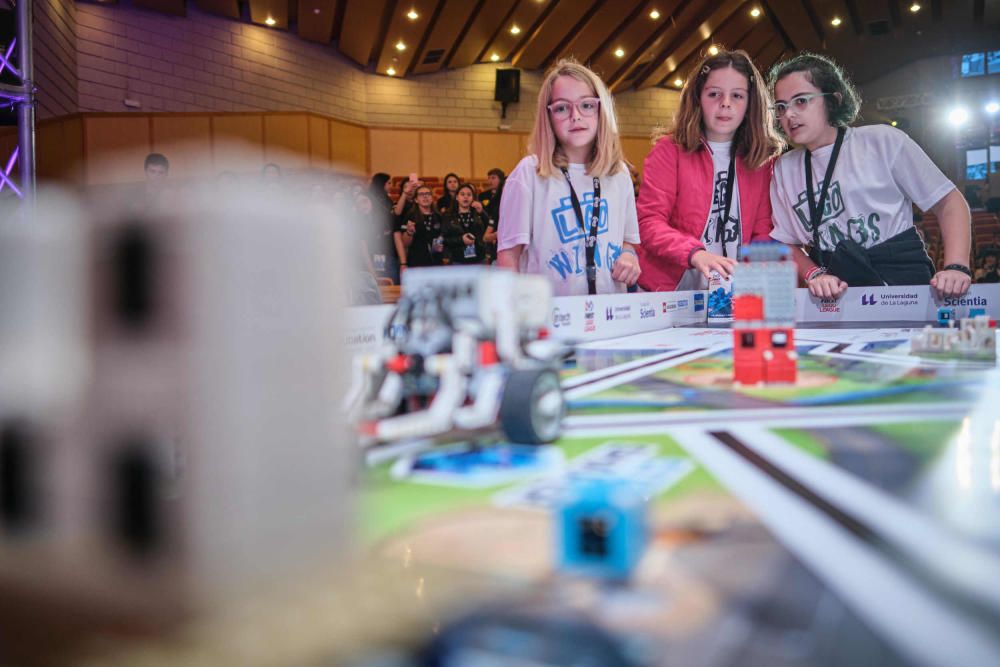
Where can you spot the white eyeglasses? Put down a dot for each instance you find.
(798, 103)
(587, 106)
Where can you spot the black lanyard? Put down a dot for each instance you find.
(595, 219)
(720, 225)
(816, 208)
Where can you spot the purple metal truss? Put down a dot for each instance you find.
(23, 97)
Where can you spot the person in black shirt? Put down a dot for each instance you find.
(988, 272)
(465, 227)
(451, 183)
(383, 222)
(425, 230)
(490, 200)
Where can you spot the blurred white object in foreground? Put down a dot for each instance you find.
(205, 454)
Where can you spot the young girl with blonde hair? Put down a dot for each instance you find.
(568, 209)
(705, 184)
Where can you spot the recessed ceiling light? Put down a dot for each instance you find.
(836, 21)
(678, 82)
(755, 12)
(495, 57)
(316, 11)
(514, 30)
(992, 107)
(619, 52)
(654, 15)
(915, 7)
(713, 50)
(391, 71)
(894, 123)
(269, 21)
(400, 46)
(412, 15)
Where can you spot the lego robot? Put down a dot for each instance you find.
(467, 351)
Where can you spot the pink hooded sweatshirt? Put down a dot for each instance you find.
(673, 206)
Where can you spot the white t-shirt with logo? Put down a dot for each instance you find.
(879, 174)
(730, 238)
(538, 213)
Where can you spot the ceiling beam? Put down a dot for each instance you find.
(665, 50)
(978, 9)
(683, 33)
(778, 28)
(383, 31)
(698, 50)
(640, 51)
(639, 9)
(584, 20)
(894, 14)
(419, 52)
(532, 32)
(855, 16)
(817, 25)
(465, 31)
(496, 33)
(338, 23)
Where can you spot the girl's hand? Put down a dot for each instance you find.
(477, 205)
(469, 239)
(826, 286)
(706, 262)
(951, 283)
(626, 269)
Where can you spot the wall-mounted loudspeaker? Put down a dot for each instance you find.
(508, 86)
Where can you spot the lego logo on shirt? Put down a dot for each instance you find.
(832, 207)
(568, 227)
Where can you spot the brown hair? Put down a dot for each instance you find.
(608, 157)
(756, 139)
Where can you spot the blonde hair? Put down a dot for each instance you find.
(607, 156)
(756, 140)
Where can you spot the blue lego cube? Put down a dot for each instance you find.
(601, 529)
(976, 312)
(945, 316)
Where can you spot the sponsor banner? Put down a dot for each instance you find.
(894, 304)
(573, 318)
(365, 328)
(580, 318)
(611, 315)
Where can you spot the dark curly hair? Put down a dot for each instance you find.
(843, 105)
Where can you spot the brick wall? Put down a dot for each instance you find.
(55, 55)
(207, 63)
(464, 98)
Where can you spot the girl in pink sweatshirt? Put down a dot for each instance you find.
(706, 183)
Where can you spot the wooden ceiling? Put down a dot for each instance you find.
(633, 44)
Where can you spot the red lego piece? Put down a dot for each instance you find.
(748, 307)
(398, 364)
(748, 373)
(488, 353)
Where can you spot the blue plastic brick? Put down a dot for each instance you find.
(601, 529)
